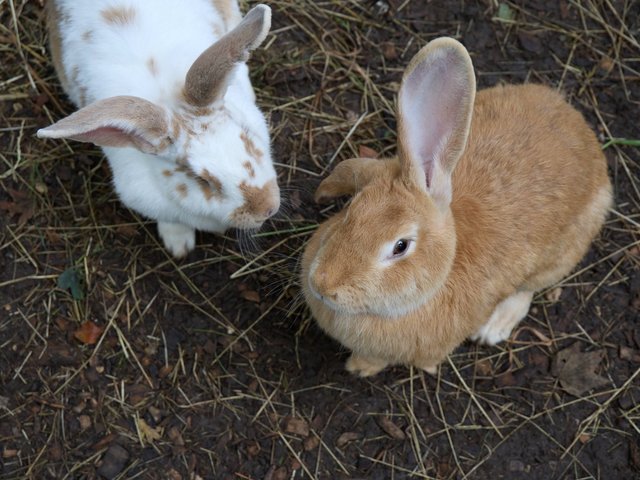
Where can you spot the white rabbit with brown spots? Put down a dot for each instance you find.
(163, 87)
(491, 197)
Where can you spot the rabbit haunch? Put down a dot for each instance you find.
(492, 197)
(162, 86)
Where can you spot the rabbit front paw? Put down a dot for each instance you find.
(364, 366)
(177, 238)
(504, 318)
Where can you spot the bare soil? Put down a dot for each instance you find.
(212, 368)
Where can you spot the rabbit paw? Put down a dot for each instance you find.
(504, 318)
(179, 239)
(364, 366)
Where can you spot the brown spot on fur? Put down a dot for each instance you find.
(54, 21)
(218, 30)
(213, 181)
(75, 72)
(258, 203)
(249, 168)
(195, 110)
(176, 125)
(83, 96)
(210, 185)
(181, 188)
(250, 147)
(167, 173)
(122, 15)
(152, 66)
(87, 36)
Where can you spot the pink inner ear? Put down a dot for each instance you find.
(112, 137)
(430, 111)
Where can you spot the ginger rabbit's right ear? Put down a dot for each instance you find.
(435, 105)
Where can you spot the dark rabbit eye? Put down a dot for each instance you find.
(400, 247)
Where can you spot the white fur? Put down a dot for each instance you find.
(504, 318)
(103, 59)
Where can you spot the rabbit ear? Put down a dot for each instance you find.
(350, 176)
(435, 106)
(121, 121)
(207, 79)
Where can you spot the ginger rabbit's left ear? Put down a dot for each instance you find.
(350, 176)
(435, 105)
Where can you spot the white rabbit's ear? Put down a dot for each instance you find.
(208, 77)
(435, 106)
(121, 121)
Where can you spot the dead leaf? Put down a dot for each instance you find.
(366, 152)
(310, 443)
(391, 428)
(576, 370)
(88, 333)
(84, 421)
(22, 205)
(149, 434)
(299, 426)
(347, 437)
(250, 295)
(389, 51)
(630, 354)
(10, 453)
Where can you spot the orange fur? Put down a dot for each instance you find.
(529, 193)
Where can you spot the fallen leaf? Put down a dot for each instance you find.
(22, 205)
(366, 152)
(310, 443)
(149, 434)
(250, 295)
(347, 437)
(391, 428)
(88, 333)
(389, 52)
(630, 354)
(576, 370)
(584, 438)
(9, 453)
(70, 280)
(299, 426)
(84, 421)
(505, 13)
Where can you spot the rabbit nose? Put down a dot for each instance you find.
(323, 288)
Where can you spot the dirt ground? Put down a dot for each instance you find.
(212, 368)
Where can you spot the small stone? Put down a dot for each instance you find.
(113, 461)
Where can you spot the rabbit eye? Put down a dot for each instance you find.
(401, 247)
